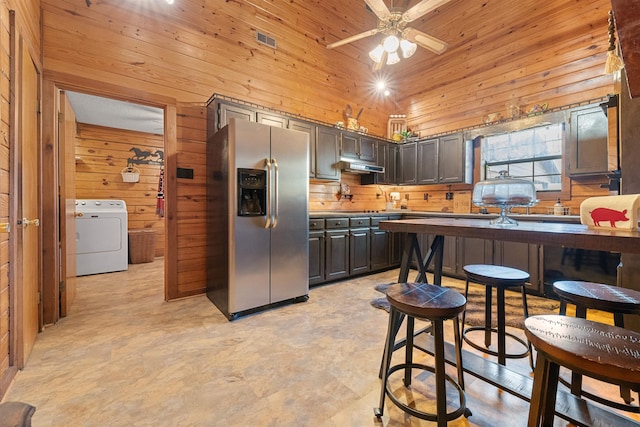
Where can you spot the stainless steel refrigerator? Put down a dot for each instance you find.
(257, 219)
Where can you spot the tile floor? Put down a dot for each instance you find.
(125, 357)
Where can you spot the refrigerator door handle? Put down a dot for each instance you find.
(268, 165)
(274, 222)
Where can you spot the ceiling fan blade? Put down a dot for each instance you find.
(353, 38)
(422, 8)
(425, 40)
(379, 8)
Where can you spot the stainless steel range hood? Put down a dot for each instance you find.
(359, 167)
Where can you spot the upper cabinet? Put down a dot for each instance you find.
(445, 160)
(327, 153)
(309, 129)
(455, 160)
(220, 112)
(407, 173)
(272, 119)
(587, 148)
(427, 161)
(355, 146)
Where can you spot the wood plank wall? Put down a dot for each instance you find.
(101, 154)
(540, 52)
(191, 200)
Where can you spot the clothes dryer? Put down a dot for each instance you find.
(101, 236)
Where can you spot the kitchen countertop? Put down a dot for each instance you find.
(408, 213)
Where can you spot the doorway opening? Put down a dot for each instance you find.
(107, 142)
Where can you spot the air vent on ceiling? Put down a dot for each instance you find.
(265, 39)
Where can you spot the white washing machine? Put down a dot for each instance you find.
(101, 236)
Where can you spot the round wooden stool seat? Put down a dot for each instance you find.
(501, 278)
(426, 301)
(605, 352)
(598, 296)
(612, 299)
(496, 275)
(437, 304)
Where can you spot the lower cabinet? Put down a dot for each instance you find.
(380, 246)
(336, 254)
(316, 257)
(343, 247)
(359, 251)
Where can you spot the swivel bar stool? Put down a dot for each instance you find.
(612, 299)
(427, 302)
(501, 278)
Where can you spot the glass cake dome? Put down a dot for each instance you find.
(504, 192)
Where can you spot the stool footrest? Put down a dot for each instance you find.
(493, 352)
(420, 414)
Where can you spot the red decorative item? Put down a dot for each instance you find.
(160, 201)
(608, 215)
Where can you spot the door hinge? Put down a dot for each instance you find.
(62, 286)
(39, 298)
(60, 117)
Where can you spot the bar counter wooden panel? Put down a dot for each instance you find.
(540, 233)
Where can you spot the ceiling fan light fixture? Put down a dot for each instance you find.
(393, 58)
(376, 53)
(391, 43)
(408, 48)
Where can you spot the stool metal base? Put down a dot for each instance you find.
(462, 409)
(487, 350)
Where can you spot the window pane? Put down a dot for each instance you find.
(548, 167)
(521, 170)
(548, 183)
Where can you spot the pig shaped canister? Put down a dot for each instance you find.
(619, 212)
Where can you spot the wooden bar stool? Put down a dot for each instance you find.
(427, 302)
(16, 414)
(598, 296)
(501, 278)
(608, 353)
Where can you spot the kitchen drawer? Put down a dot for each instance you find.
(375, 220)
(359, 222)
(316, 224)
(336, 223)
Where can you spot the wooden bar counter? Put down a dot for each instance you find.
(569, 407)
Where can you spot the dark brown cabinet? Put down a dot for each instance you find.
(309, 129)
(587, 148)
(316, 251)
(408, 163)
(380, 245)
(522, 256)
(271, 119)
(327, 153)
(336, 248)
(220, 112)
(427, 161)
(359, 246)
(445, 160)
(352, 246)
(354, 146)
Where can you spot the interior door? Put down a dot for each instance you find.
(67, 144)
(29, 252)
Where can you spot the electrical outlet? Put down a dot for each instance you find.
(426, 196)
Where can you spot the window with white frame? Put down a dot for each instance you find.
(534, 154)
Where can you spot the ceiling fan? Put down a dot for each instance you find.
(394, 25)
